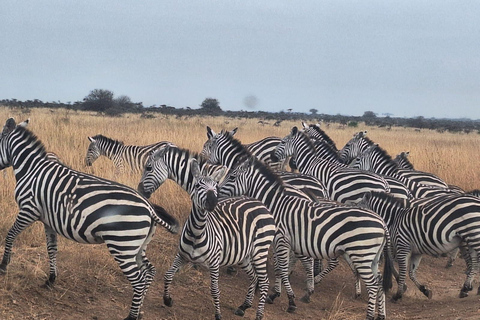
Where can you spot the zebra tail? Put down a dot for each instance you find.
(165, 219)
(388, 266)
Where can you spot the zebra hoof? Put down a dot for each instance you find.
(3, 268)
(426, 292)
(396, 297)
(218, 317)
(380, 318)
(272, 297)
(305, 298)
(463, 294)
(239, 312)
(168, 301)
(291, 308)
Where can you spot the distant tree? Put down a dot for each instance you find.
(313, 111)
(369, 115)
(211, 106)
(98, 100)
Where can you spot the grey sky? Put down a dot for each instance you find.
(407, 58)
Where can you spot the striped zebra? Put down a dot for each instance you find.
(402, 161)
(353, 147)
(263, 150)
(81, 207)
(344, 184)
(377, 160)
(326, 149)
(434, 227)
(121, 154)
(318, 230)
(236, 231)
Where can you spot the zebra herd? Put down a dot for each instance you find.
(357, 203)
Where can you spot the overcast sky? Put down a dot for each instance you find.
(406, 58)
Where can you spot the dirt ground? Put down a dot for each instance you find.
(91, 286)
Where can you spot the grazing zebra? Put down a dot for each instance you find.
(433, 226)
(344, 184)
(235, 231)
(354, 147)
(318, 230)
(120, 154)
(81, 207)
(377, 160)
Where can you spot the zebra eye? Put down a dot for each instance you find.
(148, 168)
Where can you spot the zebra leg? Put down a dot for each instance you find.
(369, 274)
(248, 268)
(214, 290)
(52, 255)
(178, 262)
(452, 256)
(471, 259)
(283, 250)
(307, 263)
(132, 271)
(402, 259)
(277, 289)
(332, 264)
(317, 267)
(260, 266)
(358, 285)
(415, 260)
(22, 221)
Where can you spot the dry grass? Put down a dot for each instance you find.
(453, 157)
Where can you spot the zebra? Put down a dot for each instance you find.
(402, 161)
(326, 149)
(344, 184)
(263, 151)
(474, 192)
(434, 227)
(119, 153)
(377, 160)
(236, 231)
(302, 224)
(354, 147)
(81, 207)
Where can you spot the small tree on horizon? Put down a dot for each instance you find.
(211, 106)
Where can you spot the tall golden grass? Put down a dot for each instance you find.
(453, 157)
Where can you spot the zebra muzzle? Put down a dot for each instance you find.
(212, 200)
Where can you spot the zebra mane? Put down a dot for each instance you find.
(309, 142)
(324, 136)
(108, 140)
(30, 136)
(327, 149)
(246, 155)
(383, 155)
(188, 154)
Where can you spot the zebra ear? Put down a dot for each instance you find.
(24, 124)
(9, 126)
(232, 133)
(195, 168)
(294, 130)
(157, 154)
(305, 126)
(91, 139)
(210, 132)
(406, 154)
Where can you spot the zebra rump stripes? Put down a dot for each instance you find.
(81, 207)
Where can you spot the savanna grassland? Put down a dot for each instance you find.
(90, 285)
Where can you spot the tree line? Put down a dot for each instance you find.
(105, 103)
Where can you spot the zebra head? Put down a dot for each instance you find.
(365, 160)
(286, 147)
(238, 179)
(93, 151)
(205, 191)
(402, 160)
(210, 147)
(354, 147)
(155, 172)
(8, 128)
